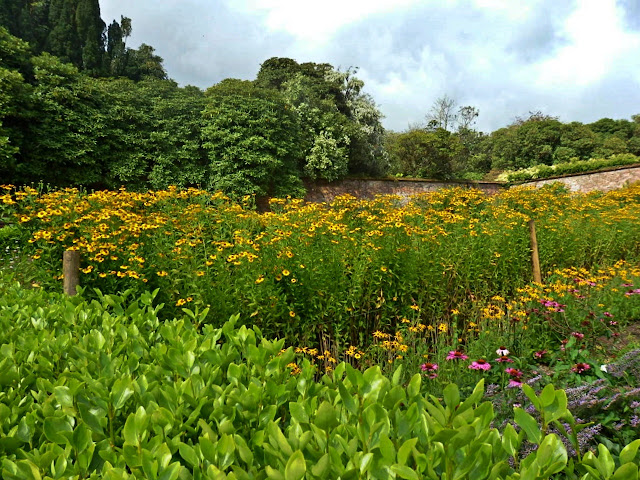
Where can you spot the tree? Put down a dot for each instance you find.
(442, 113)
(252, 139)
(425, 154)
(466, 117)
(526, 142)
(15, 100)
(176, 135)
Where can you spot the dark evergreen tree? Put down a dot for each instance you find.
(90, 28)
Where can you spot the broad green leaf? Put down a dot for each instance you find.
(405, 450)
(296, 467)
(628, 471)
(605, 463)
(413, 389)
(226, 451)
(397, 375)
(321, 467)
(188, 453)
(58, 429)
(171, 472)
(403, 471)
(451, 396)
(510, 440)
(63, 396)
(628, 453)
(528, 424)
(208, 449)
(81, 438)
(121, 391)
(326, 417)
(273, 474)
(298, 412)
(347, 400)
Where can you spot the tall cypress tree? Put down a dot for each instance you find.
(63, 40)
(90, 28)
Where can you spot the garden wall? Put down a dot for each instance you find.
(368, 188)
(604, 180)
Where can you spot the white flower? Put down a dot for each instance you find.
(603, 368)
(502, 351)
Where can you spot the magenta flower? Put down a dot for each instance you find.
(514, 383)
(456, 355)
(539, 354)
(580, 367)
(607, 314)
(504, 360)
(578, 335)
(480, 364)
(430, 369)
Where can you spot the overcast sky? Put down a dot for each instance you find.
(578, 60)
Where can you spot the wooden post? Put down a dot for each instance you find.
(535, 259)
(71, 271)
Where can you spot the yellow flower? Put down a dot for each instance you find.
(414, 307)
(455, 311)
(286, 272)
(442, 327)
(162, 273)
(180, 302)
(292, 313)
(200, 273)
(383, 269)
(260, 279)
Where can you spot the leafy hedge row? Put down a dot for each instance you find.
(105, 390)
(545, 171)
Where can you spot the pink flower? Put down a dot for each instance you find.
(514, 372)
(504, 360)
(456, 355)
(514, 383)
(607, 314)
(539, 353)
(429, 367)
(480, 364)
(580, 367)
(578, 335)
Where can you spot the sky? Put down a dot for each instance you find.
(578, 60)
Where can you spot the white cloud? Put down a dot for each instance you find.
(312, 21)
(598, 43)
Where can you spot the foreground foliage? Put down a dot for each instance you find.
(103, 389)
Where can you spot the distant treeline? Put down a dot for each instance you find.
(79, 107)
(435, 152)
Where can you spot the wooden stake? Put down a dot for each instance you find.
(535, 259)
(71, 271)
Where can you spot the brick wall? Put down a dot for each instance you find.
(369, 188)
(603, 180)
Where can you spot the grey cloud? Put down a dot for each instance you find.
(201, 42)
(480, 57)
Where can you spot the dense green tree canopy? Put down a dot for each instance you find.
(252, 140)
